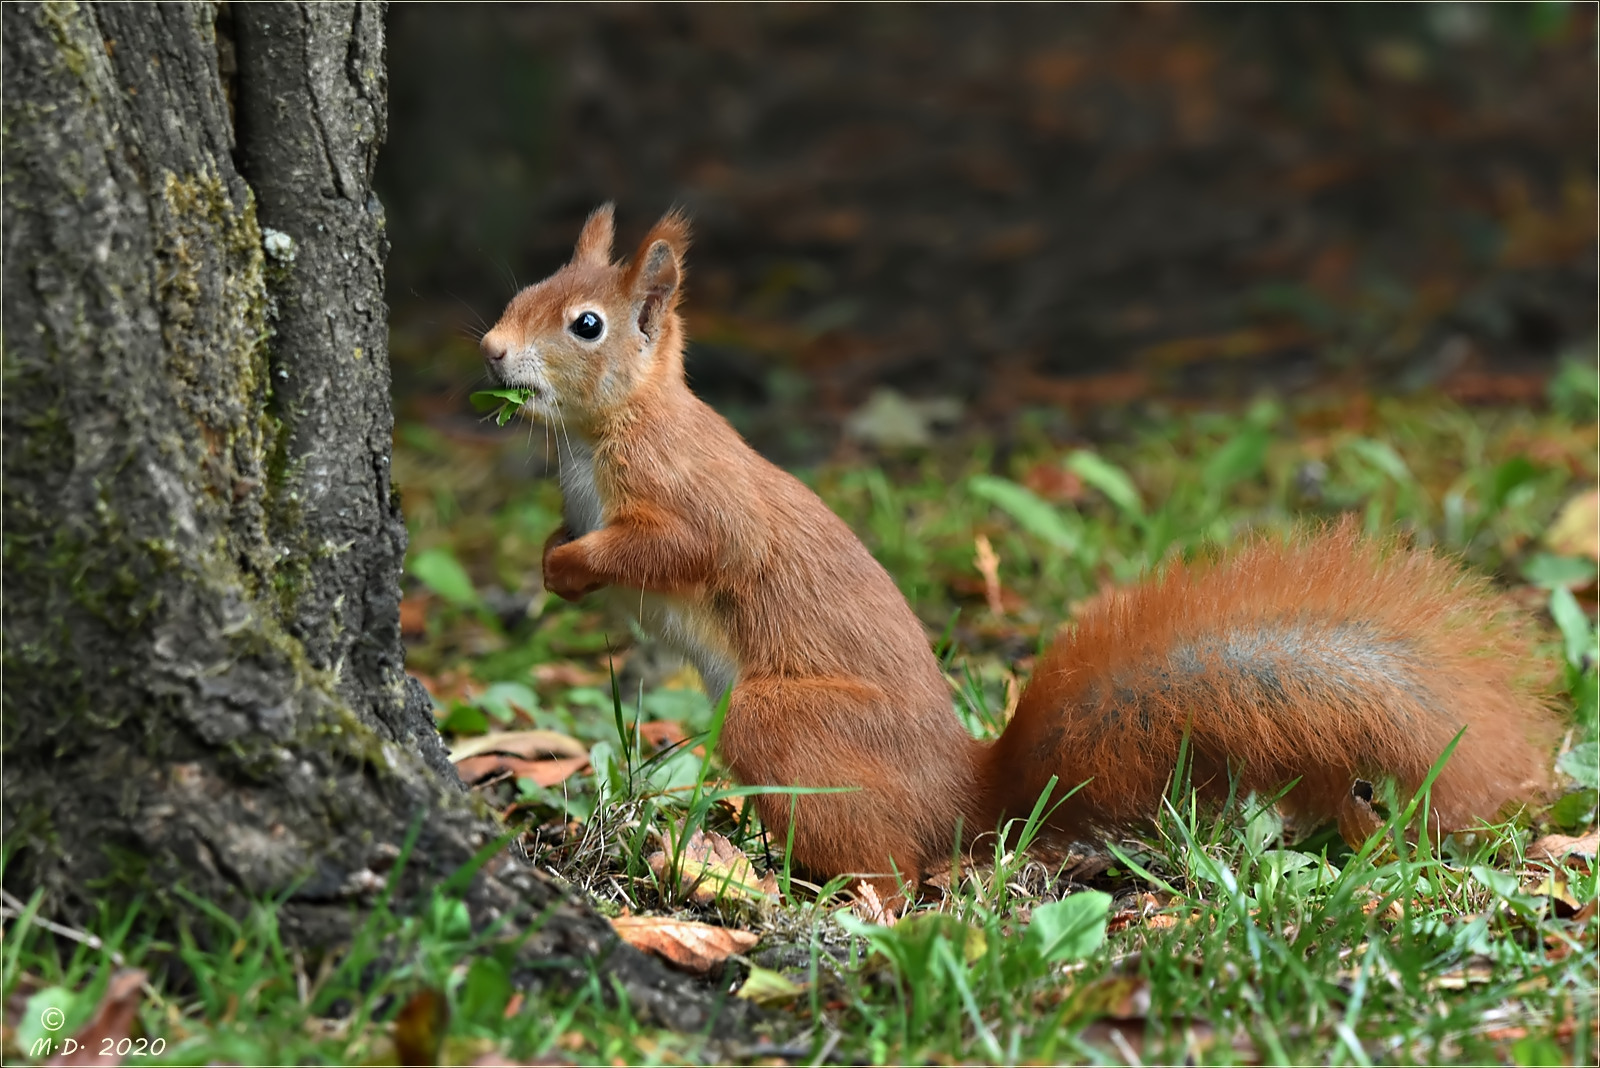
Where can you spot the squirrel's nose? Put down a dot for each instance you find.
(493, 347)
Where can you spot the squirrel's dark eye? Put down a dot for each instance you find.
(587, 325)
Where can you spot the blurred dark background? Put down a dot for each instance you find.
(1021, 207)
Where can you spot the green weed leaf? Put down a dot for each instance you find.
(1109, 479)
(488, 400)
(1031, 512)
(1241, 459)
(503, 402)
(1576, 631)
(1574, 810)
(485, 992)
(1069, 929)
(464, 719)
(441, 572)
(45, 1015)
(1582, 762)
(1506, 478)
(502, 699)
(1381, 456)
(1552, 572)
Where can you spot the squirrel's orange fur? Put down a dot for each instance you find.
(1330, 659)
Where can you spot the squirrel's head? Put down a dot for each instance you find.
(595, 334)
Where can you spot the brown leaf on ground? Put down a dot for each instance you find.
(1235, 344)
(112, 1021)
(1556, 847)
(567, 674)
(498, 1060)
(1082, 391)
(1468, 386)
(445, 686)
(1551, 885)
(870, 907)
(1054, 483)
(663, 733)
(713, 869)
(1127, 1037)
(420, 1027)
(544, 772)
(1146, 909)
(1576, 530)
(1478, 970)
(694, 947)
(529, 745)
(414, 615)
(1124, 997)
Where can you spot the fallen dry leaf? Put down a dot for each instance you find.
(664, 733)
(445, 687)
(1145, 909)
(1127, 1038)
(1556, 847)
(1552, 885)
(694, 947)
(1054, 483)
(494, 1059)
(529, 745)
(549, 758)
(414, 616)
(1082, 391)
(420, 1027)
(713, 869)
(870, 907)
(1576, 530)
(1470, 386)
(112, 1022)
(1122, 996)
(1478, 970)
(567, 674)
(988, 565)
(543, 772)
(769, 988)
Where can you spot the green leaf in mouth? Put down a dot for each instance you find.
(503, 402)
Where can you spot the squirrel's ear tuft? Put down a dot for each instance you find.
(594, 243)
(656, 275)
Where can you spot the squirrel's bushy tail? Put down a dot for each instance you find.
(1329, 658)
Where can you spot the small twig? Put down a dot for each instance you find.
(988, 565)
(11, 907)
(14, 907)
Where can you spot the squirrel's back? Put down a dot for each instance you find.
(1329, 658)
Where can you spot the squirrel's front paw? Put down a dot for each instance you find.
(564, 573)
(558, 537)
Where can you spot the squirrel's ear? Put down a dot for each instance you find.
(594, 243)
(656, 275)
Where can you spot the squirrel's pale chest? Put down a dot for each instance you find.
(682, 624)
(580, 496)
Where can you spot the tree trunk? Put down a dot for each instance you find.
(204, 681)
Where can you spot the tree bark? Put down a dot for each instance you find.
(204, 682)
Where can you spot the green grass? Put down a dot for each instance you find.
(1213, 938)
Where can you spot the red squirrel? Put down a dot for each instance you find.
(1329, 660)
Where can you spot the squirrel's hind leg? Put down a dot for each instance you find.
(827, 733)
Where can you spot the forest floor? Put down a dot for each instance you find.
(1215, 937)
(1038, 299)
